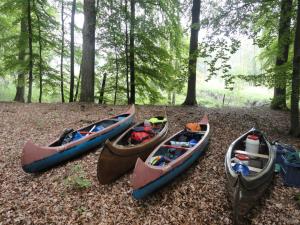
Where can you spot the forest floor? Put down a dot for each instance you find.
(196, 197)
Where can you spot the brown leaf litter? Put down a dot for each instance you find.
(196, 197)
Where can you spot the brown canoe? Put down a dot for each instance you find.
(118, 158)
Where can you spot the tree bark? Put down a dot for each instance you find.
(40, 52)
(88, 52)
(193, 53)
(20, 92)
(101, 97)
(78, 82)
(126, 52)
(30, 51)
(173, 98)
(279, 98)
(131, 52)
(72, 76)
(62, 52)
(295, 131)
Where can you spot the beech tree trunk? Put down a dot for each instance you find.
(88, 52)
(131, 52)
(30, 79)
(40, 52)
(193, 53)
(279, 98)
(62, 52)
(20, 92)
(126, 52)
(78, 82)
(295, 131)
(71, 98)
(101, 97)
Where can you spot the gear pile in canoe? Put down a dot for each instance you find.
(170, 158)
(74, 143)
(137, 142)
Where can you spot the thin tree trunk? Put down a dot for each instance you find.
(131, 52)
(116, 56)
(30, 51)
(126, 51)
(169, 98)
(72, 76)
(279, 98)
(88, 52)
(101, 97)
(117, 76)
(20, 92)
(40, 52)
(191, 91)
(295, 129)
(173, 98)
(78, 82)
(62, 52)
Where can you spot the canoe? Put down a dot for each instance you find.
(74, 143)
(247, 180)
(169, 159)
(120, 156)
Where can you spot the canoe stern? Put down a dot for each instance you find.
(143, 174)
(32, 153)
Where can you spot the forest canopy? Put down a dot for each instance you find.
(146, 51)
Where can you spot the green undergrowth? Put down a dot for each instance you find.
(77, 179)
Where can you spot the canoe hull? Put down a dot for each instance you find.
(114, 162)
(244, 192)
(148, 178)
(171, 175)
(59, 157)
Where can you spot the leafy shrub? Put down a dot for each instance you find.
(77, 179)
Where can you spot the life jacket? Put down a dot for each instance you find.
(193, 127)
(141, 134)
(138, 137)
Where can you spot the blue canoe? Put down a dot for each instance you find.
(168, 161)
(74, 143)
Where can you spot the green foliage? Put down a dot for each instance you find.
(77, 180)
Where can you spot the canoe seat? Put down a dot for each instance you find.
(114, 120)
(176, 147)
(251, 168)
(252, 154)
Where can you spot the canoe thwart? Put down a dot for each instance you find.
(252, 154)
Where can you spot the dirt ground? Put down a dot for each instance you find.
(196, 197)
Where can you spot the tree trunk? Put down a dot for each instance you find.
(30, 51)
(72, 76)
(279, 98)
(191, 91)
(40, 52)
(88, 52)
(173, 98)
(62, 52)
(78, 82)
(126, 51)
(131, 52)
(101, 97)
(22, 52)
(295, 131)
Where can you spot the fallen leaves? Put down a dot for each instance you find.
(196, 197)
